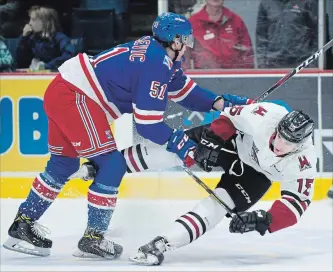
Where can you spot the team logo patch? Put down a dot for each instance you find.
(303, 163)
(168, 62)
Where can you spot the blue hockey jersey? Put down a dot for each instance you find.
(137, 77)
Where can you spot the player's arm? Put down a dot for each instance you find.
(149, 103)
(148, 108)
(245, 119)
(296, 196)
(184, 91)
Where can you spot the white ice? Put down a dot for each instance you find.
(304, 247)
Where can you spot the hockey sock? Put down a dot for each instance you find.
(46, 186)
(103, 192)
(204, 216)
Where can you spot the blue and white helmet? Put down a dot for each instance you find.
(170, 27)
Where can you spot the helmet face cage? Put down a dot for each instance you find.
(187, 40)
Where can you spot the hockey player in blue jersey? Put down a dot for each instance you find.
(89, 93)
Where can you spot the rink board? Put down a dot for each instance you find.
(149, 186)
(23, 147)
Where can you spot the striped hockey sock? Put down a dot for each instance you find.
(134, 159)
(194, 225)
(43, 192)
(100, 209)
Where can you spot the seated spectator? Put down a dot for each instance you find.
(42, 45)
(221, 39)
(287, 32)
(11, 19)
(6, 59)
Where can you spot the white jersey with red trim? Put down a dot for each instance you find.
(137, 77)
(256, 124)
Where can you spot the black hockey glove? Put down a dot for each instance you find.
(208, 150)
(258, 220)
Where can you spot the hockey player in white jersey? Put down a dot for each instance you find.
(255, 145)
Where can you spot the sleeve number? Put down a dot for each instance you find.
(156, 90)
(307, 183)
(236, 110)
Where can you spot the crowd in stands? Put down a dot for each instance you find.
(42, 34)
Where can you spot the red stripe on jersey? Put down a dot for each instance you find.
(147, 117)
(95, 89)
(132, 160)
(109, 201)
(197, 231)
(282, 217)
(301, 203)
(43, 190)
(186, 88)
(304, 205)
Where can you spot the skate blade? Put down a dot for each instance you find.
(141, 259)
(85, 255)
(18, 245)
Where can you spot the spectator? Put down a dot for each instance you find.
(287, 32)
(6, 59)
(11, 21)
(42, 45)
(221, 39)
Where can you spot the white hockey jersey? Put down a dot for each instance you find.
(296, 171)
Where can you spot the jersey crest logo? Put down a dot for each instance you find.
(303, 163)
(259, 111)
(168, 62)
(254, 152)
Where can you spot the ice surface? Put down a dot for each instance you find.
(305, 247)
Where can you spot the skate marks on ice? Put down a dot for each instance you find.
(306, 247)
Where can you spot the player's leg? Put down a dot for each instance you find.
(238, 192)
(45, 188)
(90, 134)
(141, 157)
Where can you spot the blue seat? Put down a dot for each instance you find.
(96, 27)
(120, 6)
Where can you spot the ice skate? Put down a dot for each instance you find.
(28, 236)
(151, 253)
(93, 244)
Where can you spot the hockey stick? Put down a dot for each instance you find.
(295, 71)
(209, 191)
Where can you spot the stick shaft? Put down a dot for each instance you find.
(208, 190)
(295, 71)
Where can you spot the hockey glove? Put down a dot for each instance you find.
(233, 100)
(180, 144)
(208, 150)
(258, 220)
